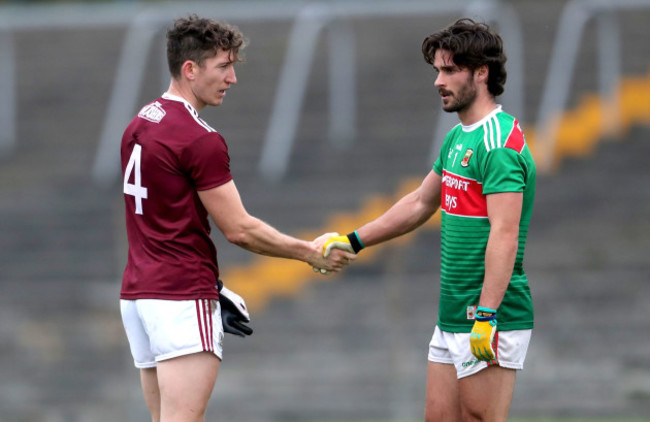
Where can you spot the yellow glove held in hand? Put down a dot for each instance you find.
(482, 335)
(350, 243)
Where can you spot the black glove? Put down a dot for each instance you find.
(233, 312)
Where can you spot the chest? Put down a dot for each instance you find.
(462, 155)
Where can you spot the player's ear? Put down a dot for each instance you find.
(481, 73)
(188, 69)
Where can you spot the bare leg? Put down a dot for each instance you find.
(186, 384)
(149, 380)
(486, 395)
(443, 399)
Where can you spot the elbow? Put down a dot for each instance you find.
(241, 233)
(506, 236)
(513, 241)
(237, 237)
(511, 237)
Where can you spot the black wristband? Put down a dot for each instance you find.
(219, 285)
(355, 242)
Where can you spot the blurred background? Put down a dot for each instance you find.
(334, 117)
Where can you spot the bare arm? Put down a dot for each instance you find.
(224, 205)
(407, 214)
(504, 213)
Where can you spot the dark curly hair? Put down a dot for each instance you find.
(471, 45)
(197, 39)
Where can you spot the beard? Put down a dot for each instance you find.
(462, 100)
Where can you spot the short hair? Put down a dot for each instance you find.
(471, 45)
(197, 39)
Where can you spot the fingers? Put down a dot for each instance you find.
(481, 349)
(339, 242)
(333, 261)
(483, 354)
(342, 255)
(334, 264)
(320, 240)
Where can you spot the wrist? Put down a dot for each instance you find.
(355, 241)
(485, 314)
(309, 252)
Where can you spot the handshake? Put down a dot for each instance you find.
(331, 252)
(337, 251)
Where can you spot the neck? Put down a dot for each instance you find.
(185, 92)
(481, 107)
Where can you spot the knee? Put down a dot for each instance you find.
(441, 414)
(471, 415)
(479, 415)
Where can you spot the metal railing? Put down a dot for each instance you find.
(309, 21)
(574, 19)
(140, 35)
(43, 17)
(313, 19)
(145, 21)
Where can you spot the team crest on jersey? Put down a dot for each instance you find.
(152, 112)
(471, 312)
(468, 155)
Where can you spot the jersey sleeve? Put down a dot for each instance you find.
(439, 164)
(504, 170)
(207, 162)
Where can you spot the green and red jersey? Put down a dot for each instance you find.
(490, 156)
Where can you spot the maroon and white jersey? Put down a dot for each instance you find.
(168, 154)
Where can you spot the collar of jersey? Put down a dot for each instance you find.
(172, 97)
(480, 123)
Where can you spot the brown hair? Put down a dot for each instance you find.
(196, 39)
(471, 45)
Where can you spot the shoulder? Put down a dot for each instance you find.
(174, 114)
(455, 131)
(502, 130)
(182, 115)
(453, 134)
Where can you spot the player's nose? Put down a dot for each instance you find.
(232, 77)
(439, 81)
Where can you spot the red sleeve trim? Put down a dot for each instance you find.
(516, 140)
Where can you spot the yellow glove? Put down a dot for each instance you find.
(482, 335)
(350, 243)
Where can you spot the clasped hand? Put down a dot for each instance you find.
(481, 337)
(330, 259)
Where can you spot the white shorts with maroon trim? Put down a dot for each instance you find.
(164, 329)
(454, 349)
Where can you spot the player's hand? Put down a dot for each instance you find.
(332, 262)
(234, 313)
(337, 242)
(482, 335)
(318, 243)
(350, 243)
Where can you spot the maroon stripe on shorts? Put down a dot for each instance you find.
(208, 324)
(200, 320)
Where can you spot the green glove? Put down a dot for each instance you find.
(482, 335)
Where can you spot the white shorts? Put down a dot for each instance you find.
(454, 349)
(165, 329)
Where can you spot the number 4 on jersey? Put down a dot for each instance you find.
(135, 189)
